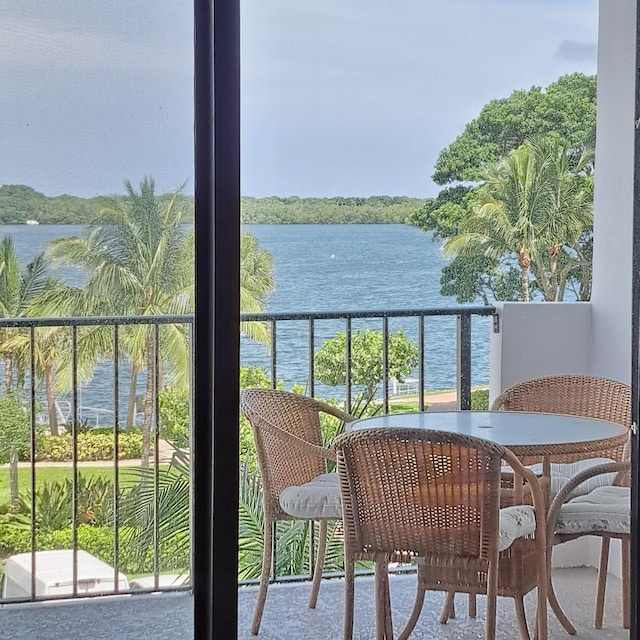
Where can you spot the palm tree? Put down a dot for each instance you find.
(256, 283)
(139, 262)
(18, 288)
(532, 206)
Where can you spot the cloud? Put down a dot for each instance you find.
(574, 51)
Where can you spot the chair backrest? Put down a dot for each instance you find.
(431, 493)
(271, 412)
(576, 395)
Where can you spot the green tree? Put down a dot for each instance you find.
(139, 261)
(532, 206)
(366, 360)
(563, 114)
(566, 109)
(15, 439)
(256, 283)
(18, 289)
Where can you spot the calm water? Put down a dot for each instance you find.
(327, 268)
(361, 268)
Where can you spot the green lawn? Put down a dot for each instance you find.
(51, 474)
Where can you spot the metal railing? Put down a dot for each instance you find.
(67, 340)
(309, 347)
(66, 556)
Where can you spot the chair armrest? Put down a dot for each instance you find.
(335, 412)
(533, 482)
(575, 481)
(298, 443)
(499, 402)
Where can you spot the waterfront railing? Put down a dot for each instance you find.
(160, 485)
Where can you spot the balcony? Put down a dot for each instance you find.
(170, 616)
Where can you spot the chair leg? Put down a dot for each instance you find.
(602, 582)
(448, 608)
(521, 617)
(415, 612)
(472, 605)
(317, 572)
(492, 600)
(349, 584)
(383, 609)
(626, 583)
(267, 558)
(553, 600)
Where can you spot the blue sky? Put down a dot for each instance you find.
(338, 98)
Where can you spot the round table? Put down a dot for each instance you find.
(528, 435)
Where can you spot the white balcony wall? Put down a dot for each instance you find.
(613, 205)
(594, 338)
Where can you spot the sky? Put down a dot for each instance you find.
(352, 98)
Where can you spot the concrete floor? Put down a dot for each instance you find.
(286, 617)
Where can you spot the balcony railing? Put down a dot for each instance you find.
(93, 360)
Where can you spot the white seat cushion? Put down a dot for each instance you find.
(515, 522)
(605, 509)
(561, 472)
(319, 498)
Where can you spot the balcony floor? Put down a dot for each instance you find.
(169, 616)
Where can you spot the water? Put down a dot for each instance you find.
(324, 268)
(361, 268)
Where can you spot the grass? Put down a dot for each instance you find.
(479, 401)
(53, 474)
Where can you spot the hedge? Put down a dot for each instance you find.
(90, 446)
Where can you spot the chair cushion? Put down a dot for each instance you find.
(319, 498)
(515, 522)
(605, 509)
(561, 472)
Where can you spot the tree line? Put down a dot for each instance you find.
(20, 203)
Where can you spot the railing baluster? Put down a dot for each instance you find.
(116, 464)
(385, 364)
(74, 455)
(348, 363)
(464, 361)
(311, 385)
(421, 363)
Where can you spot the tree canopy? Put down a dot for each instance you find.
(524, 158)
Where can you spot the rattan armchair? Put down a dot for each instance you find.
(435, 497)
(293, 465)
(572, 394)
(578, 395)
(605, 512)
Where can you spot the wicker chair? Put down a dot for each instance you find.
(292, 460)
(434, 497)
(605, 512)
(575, 395)
(579, 395)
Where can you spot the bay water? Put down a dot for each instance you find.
(325, 268)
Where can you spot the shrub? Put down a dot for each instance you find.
(91, 445)
(174, 416)
(15, 430)
(480, 400)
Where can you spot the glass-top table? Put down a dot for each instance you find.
(526, 434)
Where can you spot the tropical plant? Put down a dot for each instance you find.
(161, 511)
(175, 417)
(139, 262)
(256, 283)
(366, 360)
(292, 550)
(15, 439)
(563, 114)
(18, 289)
(533, 206)
(54, 504)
